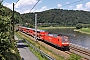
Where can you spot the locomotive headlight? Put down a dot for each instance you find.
(65, 43)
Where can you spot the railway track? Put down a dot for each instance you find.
(80, 51)
(84, 54)
(73, 49)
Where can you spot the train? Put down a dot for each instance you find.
(57, 40)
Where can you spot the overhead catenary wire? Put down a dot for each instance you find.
(72, 3)
(16, 2)
(34, 5)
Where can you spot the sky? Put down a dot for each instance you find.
(25, 6)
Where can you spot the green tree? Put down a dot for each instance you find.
(6, 43)
(79, 26)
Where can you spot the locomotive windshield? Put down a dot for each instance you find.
(65, 39)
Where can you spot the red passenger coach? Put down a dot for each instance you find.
(32, 32)
(20, 28)
(41, 34)
(23, 29)
(28, 31)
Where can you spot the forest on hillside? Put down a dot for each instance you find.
(57, 17)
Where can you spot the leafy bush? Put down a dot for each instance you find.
(79, 26)
(6, 42)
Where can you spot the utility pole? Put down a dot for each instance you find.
(13, 22)
(36, 26)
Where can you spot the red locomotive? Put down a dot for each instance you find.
(57, 40)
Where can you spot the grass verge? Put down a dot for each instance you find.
(83, 30)
(74, 57)
(44, 28)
